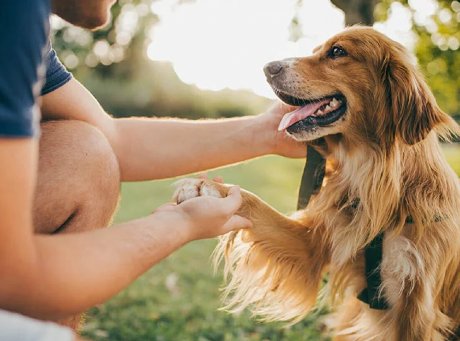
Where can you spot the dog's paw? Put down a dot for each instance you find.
(191, 188)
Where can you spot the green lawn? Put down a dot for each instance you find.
(179, 298)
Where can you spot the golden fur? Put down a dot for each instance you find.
(385, 152)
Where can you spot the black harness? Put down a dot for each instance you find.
(312, 179)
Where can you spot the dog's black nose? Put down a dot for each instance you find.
(272, 69)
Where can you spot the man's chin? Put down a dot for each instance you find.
(76, 13)
(98, 23)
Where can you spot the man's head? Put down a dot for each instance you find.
(90, 14)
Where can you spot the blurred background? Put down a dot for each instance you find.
(203, 59)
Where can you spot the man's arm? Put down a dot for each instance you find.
(54, 276)
(160, 148)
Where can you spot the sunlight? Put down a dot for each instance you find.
(399, 25)
(217, 44)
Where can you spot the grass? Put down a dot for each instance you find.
(179, 298)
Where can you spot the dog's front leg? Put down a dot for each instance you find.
(275, 267)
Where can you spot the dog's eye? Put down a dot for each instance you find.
(336, 52)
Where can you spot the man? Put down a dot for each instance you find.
(68, 180)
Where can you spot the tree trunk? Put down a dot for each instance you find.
(357, 11)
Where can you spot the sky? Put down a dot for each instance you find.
(217, 44)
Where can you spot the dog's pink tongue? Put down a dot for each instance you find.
(301, 113)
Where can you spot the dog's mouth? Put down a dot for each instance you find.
(318, 112)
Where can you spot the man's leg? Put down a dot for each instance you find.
(78, 182)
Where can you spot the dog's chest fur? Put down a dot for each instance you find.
(400, 267)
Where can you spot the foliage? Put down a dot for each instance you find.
(153, 89)
(438, 41)
(113, 65)
(124, 38)
(437, 52)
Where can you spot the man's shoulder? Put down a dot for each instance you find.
(25, 29)
(56, 73)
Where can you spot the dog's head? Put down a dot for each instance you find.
(359, 84)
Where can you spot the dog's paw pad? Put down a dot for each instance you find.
(209, 190)
(187, 189)
(191, 188)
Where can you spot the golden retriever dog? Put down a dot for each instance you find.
(364, 106)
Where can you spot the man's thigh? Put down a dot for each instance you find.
(78, 178)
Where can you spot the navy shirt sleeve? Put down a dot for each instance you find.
(56, 73)
(24, 28)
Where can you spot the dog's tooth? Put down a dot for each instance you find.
(320, 112)
(334, 102)
(327, 108)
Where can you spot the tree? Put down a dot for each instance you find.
(357, 11)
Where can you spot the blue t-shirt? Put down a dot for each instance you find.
(56, 73)
(25, 58)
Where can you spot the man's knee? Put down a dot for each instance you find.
(78, 179)
(86, 153)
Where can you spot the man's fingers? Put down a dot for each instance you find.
(237, 222)
(203, 176)
(218, 179)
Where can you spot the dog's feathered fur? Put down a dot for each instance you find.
(384, 152)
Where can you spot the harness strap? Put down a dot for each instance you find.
(373, 258)
(456, 335)
(312, 179)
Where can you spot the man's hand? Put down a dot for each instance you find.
(281, 143)
(206, 217)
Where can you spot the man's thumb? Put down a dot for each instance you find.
(237, 222)
(233, 199)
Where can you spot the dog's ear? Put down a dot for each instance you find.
(413, 110)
